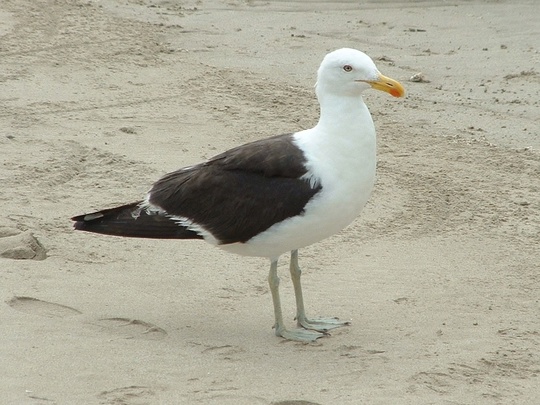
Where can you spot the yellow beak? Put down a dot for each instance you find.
(388, 85)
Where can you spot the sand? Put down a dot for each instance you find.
(439, 276)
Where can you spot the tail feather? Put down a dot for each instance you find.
(129, 220)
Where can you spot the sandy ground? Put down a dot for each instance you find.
(439, 276)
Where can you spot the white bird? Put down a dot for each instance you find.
(274, 195)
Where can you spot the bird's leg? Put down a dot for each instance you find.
(300, 335)
(318, 324)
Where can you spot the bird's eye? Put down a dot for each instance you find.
(347, 68)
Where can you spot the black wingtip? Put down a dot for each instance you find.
(130, 221)
(78, 225)
(93, 216)
(106, 221)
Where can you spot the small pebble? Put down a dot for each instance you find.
(419, 78)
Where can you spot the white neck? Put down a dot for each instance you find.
(345, 126)
(343, 143)
(339, 113)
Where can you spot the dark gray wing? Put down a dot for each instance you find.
(239, 193)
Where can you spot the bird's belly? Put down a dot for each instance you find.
(331, 210)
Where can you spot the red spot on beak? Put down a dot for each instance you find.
(395, 93)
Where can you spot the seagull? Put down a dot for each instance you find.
(274, 195)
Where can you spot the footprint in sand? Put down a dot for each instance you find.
(134, 394)
(125, 327)
(34, 306)
(294, 402)
(231, 399)
(15, 244)
(130, 328)
(226, 399)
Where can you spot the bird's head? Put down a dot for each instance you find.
(348, 72)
